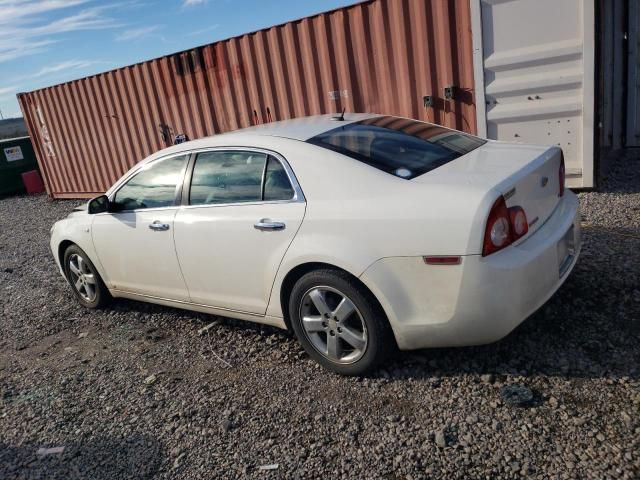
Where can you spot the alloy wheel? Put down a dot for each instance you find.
(82, 277)
(333, 324)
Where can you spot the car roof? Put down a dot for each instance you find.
(304, 128)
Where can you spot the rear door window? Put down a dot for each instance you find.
(276, 182)
(227, 177)
(399, 146)
(222, 177)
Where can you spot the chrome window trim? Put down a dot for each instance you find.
(237, 204)
(298, 195)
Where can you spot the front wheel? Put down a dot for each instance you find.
(338, 322)
(84, 279)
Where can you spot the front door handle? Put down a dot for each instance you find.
(158, 226)
(267, 225)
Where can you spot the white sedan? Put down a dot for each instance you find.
(361, 234)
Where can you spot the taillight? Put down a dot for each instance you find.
(504, 226)
(497, 235)
(561, 175)
(519, 224)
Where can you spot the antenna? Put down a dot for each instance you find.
(340, 117)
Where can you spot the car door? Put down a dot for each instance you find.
(242, 211)
(134, 240)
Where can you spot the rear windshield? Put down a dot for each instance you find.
(399, 146)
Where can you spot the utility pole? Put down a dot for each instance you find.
(1, 116)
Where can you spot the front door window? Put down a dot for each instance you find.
(154, 186)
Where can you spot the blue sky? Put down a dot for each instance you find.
(44, 42)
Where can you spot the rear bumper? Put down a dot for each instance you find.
(482, 299)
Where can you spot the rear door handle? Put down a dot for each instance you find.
(158, 226)
(267, 225)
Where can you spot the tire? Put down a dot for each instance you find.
(350, 340)
(91, 292)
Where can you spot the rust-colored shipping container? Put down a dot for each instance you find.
(377, 56)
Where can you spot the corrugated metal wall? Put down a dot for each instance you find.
(377, 56)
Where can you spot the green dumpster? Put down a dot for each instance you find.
(16, 157)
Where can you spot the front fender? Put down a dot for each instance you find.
(75, 230)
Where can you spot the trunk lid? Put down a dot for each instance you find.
(526, 175)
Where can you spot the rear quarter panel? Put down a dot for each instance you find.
(357, 215)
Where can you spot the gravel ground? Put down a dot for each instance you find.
(134, 392)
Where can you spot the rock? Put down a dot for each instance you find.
(178, 460)
(226, 425)
(579, 421)
(487, 378)
(553, 402)
(83, 335)
(440, 439)
(208, 327)
(43, 452)
(8, 270)
(516, 395)
(151, 379)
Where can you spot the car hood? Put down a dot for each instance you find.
(82, 208)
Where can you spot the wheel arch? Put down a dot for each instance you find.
(61, 243)
(62, 248)
(297, 272)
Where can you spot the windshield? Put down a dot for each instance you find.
(402, 147)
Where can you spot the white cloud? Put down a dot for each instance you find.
(65, 66)
(135, 33)
(4, 91)
(202, 30)
(193, 3)
(90, 19)
(25, 31)
(18, 10)
(11, 51)
(57, 71)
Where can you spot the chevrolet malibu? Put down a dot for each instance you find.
(361, 233)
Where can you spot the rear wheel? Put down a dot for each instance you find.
(84, 278)
(338, 322)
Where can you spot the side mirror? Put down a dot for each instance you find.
(99, 205)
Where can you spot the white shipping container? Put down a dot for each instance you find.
(534, 76)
